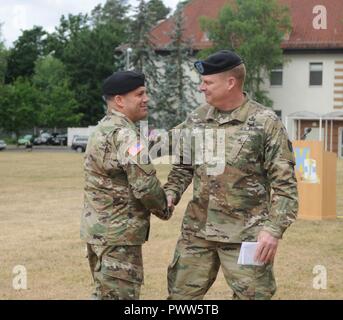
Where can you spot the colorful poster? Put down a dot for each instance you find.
(305, 165)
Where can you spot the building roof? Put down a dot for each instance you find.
(334, 114)
(303, 34)
(192, 12)
(307, 115)
(304, 115)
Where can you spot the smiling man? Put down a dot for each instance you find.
(253, 199)
(120, 191)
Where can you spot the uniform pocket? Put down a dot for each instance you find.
(265, 285)
(172, 269)
(123, 262)
(115, 268)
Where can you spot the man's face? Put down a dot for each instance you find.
(135, 104)
(216, 89)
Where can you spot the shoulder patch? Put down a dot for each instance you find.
(136, 149)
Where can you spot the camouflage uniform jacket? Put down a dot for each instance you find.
(256, 188)
(118, 196)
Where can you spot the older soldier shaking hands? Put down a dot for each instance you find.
(120, 191)
(252, 199)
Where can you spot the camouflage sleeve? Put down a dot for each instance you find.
(141, 174)
(181, 174)
(147, 188)
(279, 165)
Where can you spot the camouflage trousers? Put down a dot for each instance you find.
(117, 271)
(195, 267)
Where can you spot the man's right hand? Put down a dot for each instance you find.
(168, 212)
(163, 215)
(170, 201)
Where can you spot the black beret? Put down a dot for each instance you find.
(122, 82)
(221, 61)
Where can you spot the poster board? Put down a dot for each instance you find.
(316, 176)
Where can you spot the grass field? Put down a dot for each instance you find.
(40, 205)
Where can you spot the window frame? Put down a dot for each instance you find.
(311, 72)
(278, 69)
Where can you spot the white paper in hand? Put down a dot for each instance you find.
(247, 253)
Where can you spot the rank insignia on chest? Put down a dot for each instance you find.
(251, 122)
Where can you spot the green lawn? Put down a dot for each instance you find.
(40, 205)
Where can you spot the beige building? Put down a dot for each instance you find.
(307, 90)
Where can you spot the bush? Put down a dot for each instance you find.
(10, 140)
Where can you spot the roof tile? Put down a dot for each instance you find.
(303, 35)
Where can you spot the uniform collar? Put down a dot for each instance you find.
(112, 112)
(240, 113)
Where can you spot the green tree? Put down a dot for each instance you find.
(68, 29)
(3, 59)
(111, 24)
(18, 106)
(57, 104)
(143, 50)
(113, 13)
(22, 57)
(255, 30)
(175, 97)
(157, 10)
(144, 57)
(86, 47)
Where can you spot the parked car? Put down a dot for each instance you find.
(3, 145)
(53, 139)
(25, 140)
(61, 139)
(79, 143)
(44, 138)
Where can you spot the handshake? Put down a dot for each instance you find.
(166, 213)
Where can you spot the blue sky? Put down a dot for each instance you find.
(17, 15)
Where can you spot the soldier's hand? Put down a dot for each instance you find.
(170, 201)
(267, 246)
(163, 215)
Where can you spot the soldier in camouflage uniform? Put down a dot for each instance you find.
(120, 191)
(252, 198)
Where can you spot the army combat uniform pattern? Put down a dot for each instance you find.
(256, 191)
(120, 193)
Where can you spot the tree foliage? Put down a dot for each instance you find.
(157, 10)
(27, 49)
(143, 56)
(87, 50)
(61, 73)
(175, 97)
(57, 104)
(255, 30)
(113, 14)
(139, 41)
(18, 106)
(3, 59)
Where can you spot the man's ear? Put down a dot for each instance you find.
(231, 82)
(119, 100)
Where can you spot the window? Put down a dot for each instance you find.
(316, 74)
(276, 76)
